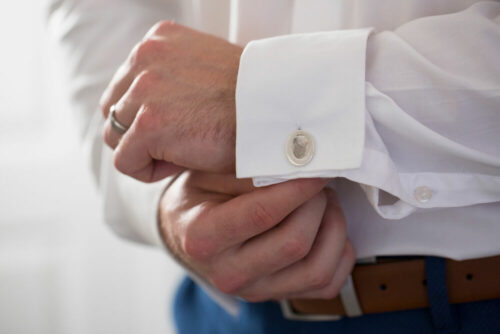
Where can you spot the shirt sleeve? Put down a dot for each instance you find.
(130, 207)
(90, 59)
(412, 115)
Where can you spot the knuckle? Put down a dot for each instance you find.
(333, 290)
(145, 82)
(146, 120)
(296, 248)
(118, 162)
(145, 86)
(144, 49)
(229, 283)
(163, 27)
(144, 52)
(197, 249)
(261, 217)
(320, 279)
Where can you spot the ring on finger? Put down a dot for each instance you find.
(115, 124)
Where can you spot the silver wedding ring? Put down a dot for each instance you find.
(115, 124)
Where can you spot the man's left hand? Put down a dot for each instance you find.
(176, 93)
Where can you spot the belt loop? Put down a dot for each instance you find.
(443, 315)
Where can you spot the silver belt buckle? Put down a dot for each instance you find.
(349, 301)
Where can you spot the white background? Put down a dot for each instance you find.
(61, 269)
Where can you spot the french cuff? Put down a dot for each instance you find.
(300, 105)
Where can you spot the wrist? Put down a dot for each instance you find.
(162, 217)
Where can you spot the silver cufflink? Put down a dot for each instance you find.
(300, 148)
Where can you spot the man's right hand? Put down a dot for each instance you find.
(283, 241)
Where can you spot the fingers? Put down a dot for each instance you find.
(129, 71)
(127, 107)
(133, 154)
(139, 164)
(124, 90)
(271, 251)
(124, 114)
(321, 272)
(332, 289)
(119, 84)
(150, 170)
(248, 215)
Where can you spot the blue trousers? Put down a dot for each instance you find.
(196, 313)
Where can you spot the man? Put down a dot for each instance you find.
(403, 117)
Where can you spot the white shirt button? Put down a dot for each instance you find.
(423, 194)
(300, 148)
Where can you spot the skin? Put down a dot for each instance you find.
(283, 241)
(191, 126)
(176, 91)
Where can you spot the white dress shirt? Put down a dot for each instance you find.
(401, 100)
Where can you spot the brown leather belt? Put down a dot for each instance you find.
(401, 285)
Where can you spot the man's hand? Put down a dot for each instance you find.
(176, 91)
(282, 241)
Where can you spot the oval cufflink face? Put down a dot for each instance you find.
(300, 148)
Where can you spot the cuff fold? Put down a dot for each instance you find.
(312, 83)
